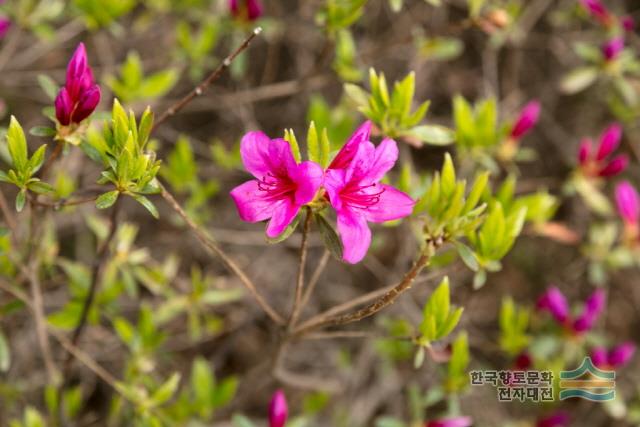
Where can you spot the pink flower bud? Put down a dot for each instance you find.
(599, 357)
(615, 166)
(523, 361)
(584, 152)
(278, 410)
(557, 419)
(597, 10)
(526, 120)
(627, 23)
(609, 141)
(555, 303)
(450, 422)
(612, 48)
(592, 310)
(249, 10)
(620, 355)
(628, 203)
(64, 107)
(86, 104)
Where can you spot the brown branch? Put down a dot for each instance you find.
(215, 250)
(315, 278)
(52, 158)
(295, 310)
(383, 301)
(101, 258)
(202, 87)
(9, 217)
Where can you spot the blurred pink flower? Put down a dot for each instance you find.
(554, 302)
(601, 164)
(598, 11)
(358, 197)
(615, 358)
(612, 48)
(628, 203)
(249, 10)
(450, 422)
(278, 410)
(282, 186)
(556, 419)
(627, 23)
(80, 95)
(5, 24)
(526, 120)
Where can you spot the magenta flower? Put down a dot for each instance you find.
(627, 23)
(278, 410)
(612, 48)
(592, 310)
(615, 358)
(598, 11)
(5, 24)
(526, 120)
(358, 196)
(450, 422)
(554, 302)
(80, 95)
(523, 362)
(248, 10)
(348, 150)
(557, 419)
(628, 203)
(282, 186)
(602, 164)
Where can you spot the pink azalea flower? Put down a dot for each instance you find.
(450, 422)
(80, 95)
(282, 186)
(627, 23)
(554, 302)
(348, 150)
(358, 196)
(628, 203)
(249, 10)
(612, 48)
(615, 358)
(603, 164)
(598, 11)
(278, 410)
(526, 120)
(5, 24)
(557, 419)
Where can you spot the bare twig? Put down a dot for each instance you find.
(9, 217)
(383, 301)
(215, 250)
(52, 158)
(199, 90)
(295, 310)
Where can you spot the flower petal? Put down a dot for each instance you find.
(278, 410)
(526, 120)
(308, 176)
(592, 310)
(609, 141)
(555, 303)
(348, 151)
(355, 235)
(628, 202)
(384, 158)
(64, 106)
(283, 212)
(262, 155)
(620, 355)
(251, 202)
(334, 182)
(451, 422)
(393, 204)
(87, 104)
(599, 357)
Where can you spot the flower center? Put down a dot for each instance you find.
(276, 187)
(358, 197)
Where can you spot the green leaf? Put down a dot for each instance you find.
(467, 255)
(44, 131)
(41, 187)
(202, 382)
(224, 392)
(578, 80)
(35, 163)
(433, 134)
(5, 354)
(329, 236)
(166, 390)
(241, 421)
(148, 204)
(144, 129)
(358, 95)
(290, 137)
(21, 199)
(17, 145)
(107, 200)
(313, 144)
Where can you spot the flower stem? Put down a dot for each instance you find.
(215, 250)
(295, 310)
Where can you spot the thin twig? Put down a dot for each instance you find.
(52, 158)
(385, 300)
(215, 250)
(9, 217)
(295, 310)
(315, 278)
(200, 89)
(101, 258)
